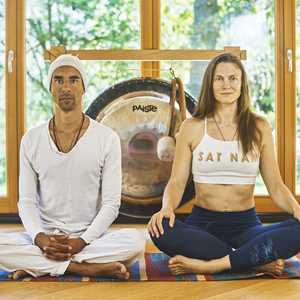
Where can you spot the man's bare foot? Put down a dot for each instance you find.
(274, 268)
(18, 274)
(114, 269)
(184, 265)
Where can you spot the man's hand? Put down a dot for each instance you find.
(76, 245)
(54, 247)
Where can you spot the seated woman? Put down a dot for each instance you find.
(225, 145)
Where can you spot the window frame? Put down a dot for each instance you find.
(150, 12)
(14, 99)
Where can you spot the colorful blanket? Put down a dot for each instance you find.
(154, 267)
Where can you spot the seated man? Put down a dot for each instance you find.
(70, 189)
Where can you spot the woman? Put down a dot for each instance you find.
(225, 145)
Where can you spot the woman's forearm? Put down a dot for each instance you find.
(172, 195)
(285, 199)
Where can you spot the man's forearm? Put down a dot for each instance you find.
(101, 223)
(30, 217)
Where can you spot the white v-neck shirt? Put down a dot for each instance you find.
(77, 193)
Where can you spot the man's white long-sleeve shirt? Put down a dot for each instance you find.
(77, 193)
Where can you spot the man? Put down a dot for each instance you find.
(70, 188)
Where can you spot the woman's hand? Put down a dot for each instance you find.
(155, 227)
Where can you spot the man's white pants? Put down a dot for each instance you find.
(18, 253)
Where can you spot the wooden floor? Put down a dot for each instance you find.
(253, 289)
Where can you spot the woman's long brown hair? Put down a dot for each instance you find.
(248, 133)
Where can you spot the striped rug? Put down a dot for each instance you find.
(154, 267)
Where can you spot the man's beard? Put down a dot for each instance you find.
(66, 105)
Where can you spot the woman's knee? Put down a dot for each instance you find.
(165, 241)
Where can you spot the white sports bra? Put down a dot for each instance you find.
(222, 162)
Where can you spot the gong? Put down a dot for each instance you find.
(138, 110)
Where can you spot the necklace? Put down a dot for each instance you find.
(76, 136)
(222, 132)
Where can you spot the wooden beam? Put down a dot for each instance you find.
(146, 12)
(5, 206)
(21, 88)
(289, 39)
(9, 203)
(279, 86)
(143, 55)
(156, 18)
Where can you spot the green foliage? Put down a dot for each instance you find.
(262, 78)
(229, 8)
(76, 25)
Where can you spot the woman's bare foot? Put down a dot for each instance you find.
(274, 268)
(18, 274)
(114, 269)
(184, 265)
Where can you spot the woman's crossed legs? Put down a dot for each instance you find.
(195, 249)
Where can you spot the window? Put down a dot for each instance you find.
(147, 24)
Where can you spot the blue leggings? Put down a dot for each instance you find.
(209, 235)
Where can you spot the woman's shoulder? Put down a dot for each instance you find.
(265, 130)
(192, 124)
(191, 129)
(262, 123)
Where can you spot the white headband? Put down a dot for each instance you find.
(67, 60)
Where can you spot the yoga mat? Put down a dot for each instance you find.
(154, 267)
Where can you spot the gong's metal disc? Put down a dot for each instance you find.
(138, 110)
